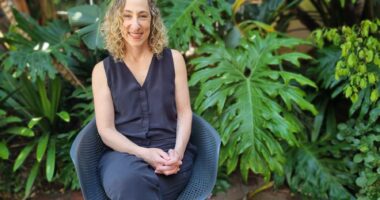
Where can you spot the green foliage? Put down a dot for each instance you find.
(41, 103)
(193, 20)
(6, 121)
(360, 58)
(222, 182)
(36, 52)
(326, 99)
(253, 99)
(271, 12)
(344, 2)
(67, 174)
(84, 109)
(89, 18)
(312, 171)
(363, 139)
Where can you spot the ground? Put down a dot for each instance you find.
(237, 191)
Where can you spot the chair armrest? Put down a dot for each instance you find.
(205, 167)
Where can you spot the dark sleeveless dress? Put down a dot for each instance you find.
(147, 115)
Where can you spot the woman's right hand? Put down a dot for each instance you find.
(155, 157)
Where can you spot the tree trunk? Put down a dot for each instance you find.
(21, 6)
(47, 10)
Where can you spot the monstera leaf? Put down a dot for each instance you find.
(41, 51)
(254, 100)
(190, 20)
(88, 17)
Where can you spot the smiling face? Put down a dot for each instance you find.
(136, 23)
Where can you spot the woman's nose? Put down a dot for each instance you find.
(135, 23)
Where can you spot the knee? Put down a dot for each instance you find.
(131, 185)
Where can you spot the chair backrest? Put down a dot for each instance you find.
(86, 152)
(88, 148)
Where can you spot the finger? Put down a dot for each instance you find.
(158, 160)
(167, 172)
(166, 168)
(163, 154)
(172, 162)
(174, 171)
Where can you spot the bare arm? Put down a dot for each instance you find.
(104, 114)
(184, 117)
(182, 98)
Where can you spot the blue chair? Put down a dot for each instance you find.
(88, 148)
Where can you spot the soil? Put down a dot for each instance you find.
(237, 191)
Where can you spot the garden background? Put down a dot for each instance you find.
(292, 86)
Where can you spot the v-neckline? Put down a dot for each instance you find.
(134, 77)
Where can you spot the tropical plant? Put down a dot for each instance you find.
(363, 139)
(330, 13)
(84, 109)
(359, 61)
(325, 167)
(319, 169)
(40, 51)
(10, 125)
(270, 14)
(41, 103)
(329, 95)
(89, 17)
(254, 100)
(316, 173)
(192, 21)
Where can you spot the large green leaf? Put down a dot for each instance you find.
(33, 54)
(192, 20)
(249, 93)
(88, 17)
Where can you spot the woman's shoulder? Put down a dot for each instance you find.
(101, 66)
(178, 60)
(174, 53)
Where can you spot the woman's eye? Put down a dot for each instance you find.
(127, 16)
(144, 16)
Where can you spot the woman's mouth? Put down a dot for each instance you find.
(136, 36)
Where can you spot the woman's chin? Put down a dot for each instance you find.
(136, 42)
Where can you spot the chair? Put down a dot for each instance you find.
(87, 149)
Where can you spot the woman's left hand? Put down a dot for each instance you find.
(172, 166)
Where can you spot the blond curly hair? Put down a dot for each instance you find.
(112, 25)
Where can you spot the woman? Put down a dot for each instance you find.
(142, 106)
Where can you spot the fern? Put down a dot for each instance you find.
(254, 100)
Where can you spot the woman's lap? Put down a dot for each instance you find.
(125, 176)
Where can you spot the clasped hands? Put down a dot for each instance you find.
(164, 163)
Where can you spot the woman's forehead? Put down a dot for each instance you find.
(136, 6)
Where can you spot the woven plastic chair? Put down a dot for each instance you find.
(88, 148)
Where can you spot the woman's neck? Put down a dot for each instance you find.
(137, 54)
